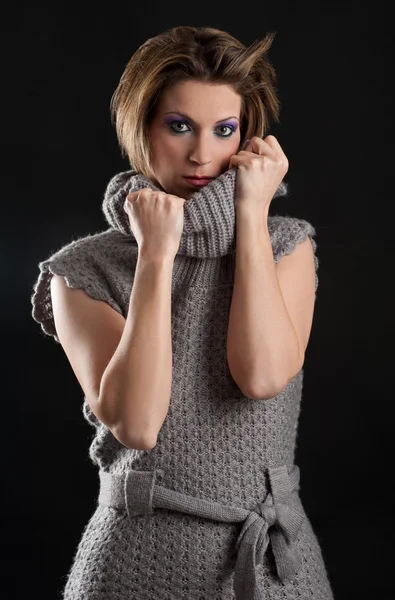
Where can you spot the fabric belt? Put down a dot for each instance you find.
(276, 520)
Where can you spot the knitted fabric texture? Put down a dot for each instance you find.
(213, 511)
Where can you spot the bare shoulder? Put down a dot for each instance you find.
(89, 332)
(296, 278)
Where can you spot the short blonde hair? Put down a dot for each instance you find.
(200, 53)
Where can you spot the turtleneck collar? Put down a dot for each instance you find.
(209, 214)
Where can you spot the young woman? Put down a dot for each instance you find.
(186, 324)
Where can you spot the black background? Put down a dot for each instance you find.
(62, 63)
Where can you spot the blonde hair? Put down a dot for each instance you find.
(200, 53)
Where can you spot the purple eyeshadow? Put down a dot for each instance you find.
(233, 124)
(177, 119)
(168, 119)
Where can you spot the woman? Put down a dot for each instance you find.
(186, 324)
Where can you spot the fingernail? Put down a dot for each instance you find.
(246, 144)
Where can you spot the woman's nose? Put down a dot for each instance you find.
(202, 150)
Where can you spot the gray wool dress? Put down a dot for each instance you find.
(213, 511)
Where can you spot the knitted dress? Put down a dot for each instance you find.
(213, 511)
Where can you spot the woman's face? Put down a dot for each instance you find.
(195, 130)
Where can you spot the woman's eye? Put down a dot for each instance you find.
(227, 127)
(174, 123)
(181, 123)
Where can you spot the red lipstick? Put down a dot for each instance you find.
(198, 181)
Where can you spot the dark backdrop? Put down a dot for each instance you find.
(62, 63)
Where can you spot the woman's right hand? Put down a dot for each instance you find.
(156, 220)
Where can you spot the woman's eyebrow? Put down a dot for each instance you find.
(185, 116)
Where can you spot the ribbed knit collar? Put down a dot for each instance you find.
(209, 213)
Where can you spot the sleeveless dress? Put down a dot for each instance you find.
(213, 511)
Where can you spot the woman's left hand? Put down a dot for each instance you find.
(261, 167)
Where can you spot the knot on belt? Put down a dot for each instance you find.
(276, 520)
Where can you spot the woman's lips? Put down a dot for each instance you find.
(198, 182)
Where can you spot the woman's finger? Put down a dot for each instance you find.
(271, 141)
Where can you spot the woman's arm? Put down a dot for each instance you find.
(123, 366)
(271, 312)
(135, 388)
